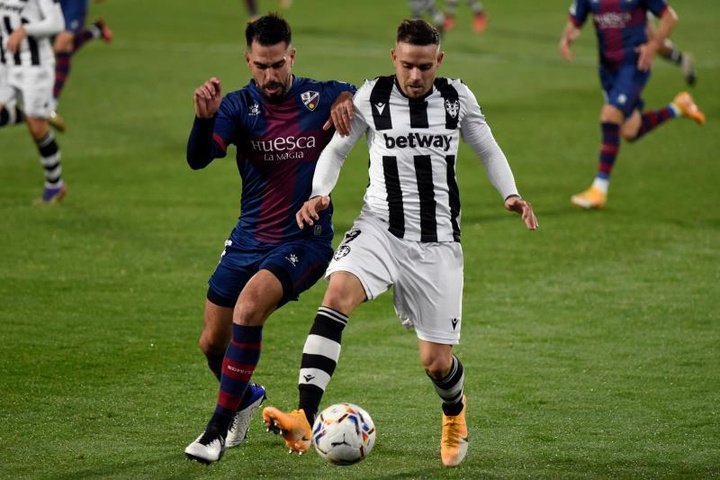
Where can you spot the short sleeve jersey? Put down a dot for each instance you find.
(620, 26)
(278, 145)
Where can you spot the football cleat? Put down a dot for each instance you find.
(237, 433)
(105, 33)
(454, 441)
(57, 121)
(293, 426)
(207, 448)
(688, 69)
(52, 195)
(593, 197)
(479, 22)
(685, 103)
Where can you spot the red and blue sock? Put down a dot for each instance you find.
(651, 120)
(608, 149)
(241, 359)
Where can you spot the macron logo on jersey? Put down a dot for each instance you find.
(417, 140)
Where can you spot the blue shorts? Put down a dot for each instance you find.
(74, 12)
(298, 265)
(623, 86)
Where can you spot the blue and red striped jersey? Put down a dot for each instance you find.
(278, 145)
(620, 26)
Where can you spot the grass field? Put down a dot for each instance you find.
(591, 347)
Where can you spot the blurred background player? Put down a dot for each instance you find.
(420, 8)
(479, 23)
(626, 55)
(254, 13)
(26, 77)
(670, 52)
(69, 41)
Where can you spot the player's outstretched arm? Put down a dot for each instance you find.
(341, 114)
(309, 212)
(524, 208)
(207, 98)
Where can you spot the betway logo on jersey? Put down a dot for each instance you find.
(418, 140)
(612, 19)
(283, 148)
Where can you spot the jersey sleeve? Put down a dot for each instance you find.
(477, 134)
(336, 88)
(334, 154)
(52, 21)
(657, 7)
(578, 12)
(210, 137)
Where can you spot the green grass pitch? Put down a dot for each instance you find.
(591, 347)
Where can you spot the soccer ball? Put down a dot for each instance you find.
(343, 434)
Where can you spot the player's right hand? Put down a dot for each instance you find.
(309, 212)
(207, 98)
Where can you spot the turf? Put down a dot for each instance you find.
(590, 346)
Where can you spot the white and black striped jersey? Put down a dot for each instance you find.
(41, 18)
(413, 145)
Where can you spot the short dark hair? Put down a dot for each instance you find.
(418, 32)
(268, 30)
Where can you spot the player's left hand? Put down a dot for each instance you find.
(341, 114)
(646, 53)
(524, 208)
(15, 40)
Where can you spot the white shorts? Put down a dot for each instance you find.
(7, 93)
(427, 277)
(32, 86)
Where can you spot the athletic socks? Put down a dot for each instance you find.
(11, 115)
(50, 160)
(610, 134)
(450, 388)
(319, 359)
(651, 120)
(241, 359)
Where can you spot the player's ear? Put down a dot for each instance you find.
(440, 57)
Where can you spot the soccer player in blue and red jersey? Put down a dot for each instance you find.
(626, 56)
(277, 123)
(69, 41)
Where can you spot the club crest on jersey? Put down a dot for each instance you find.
(452, 108)
(310, 99)
(254, 110)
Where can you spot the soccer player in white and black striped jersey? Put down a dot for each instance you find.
(408, 233)
(27, 72)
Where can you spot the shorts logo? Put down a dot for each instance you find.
(293, 259)
(452, 107)
(310, 99)
(454, 322)
(342, 251)
(351, 235)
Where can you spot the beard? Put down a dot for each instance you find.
(279, 93)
